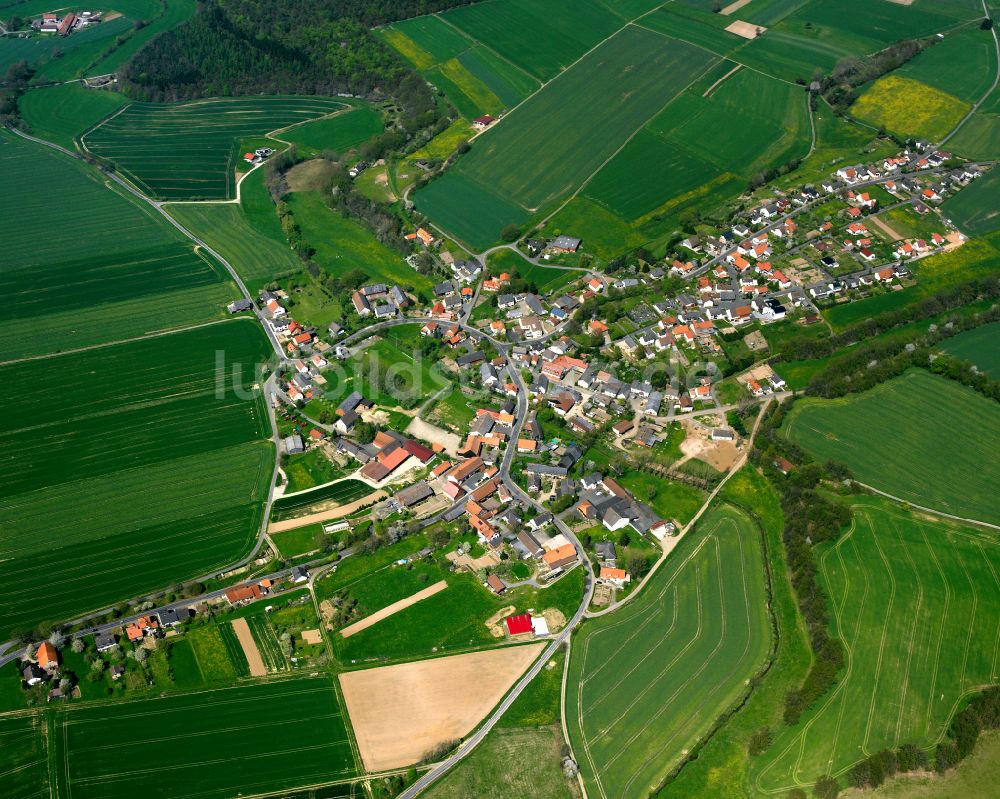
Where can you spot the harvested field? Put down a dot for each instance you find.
(245, 637)
(389, 610)
(400, 713)
(745, 29)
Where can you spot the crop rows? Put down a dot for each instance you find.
(188, 150)
(24, 768)
(920, 437)
(646, 681)
(341, 492)
(251, 739)
(138, 471)
(267, 642)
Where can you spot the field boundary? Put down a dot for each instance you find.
(394, 608)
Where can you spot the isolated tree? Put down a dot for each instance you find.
(57, 639)
(826, 788)
(141, 654)
(760, 740)
(510, 233)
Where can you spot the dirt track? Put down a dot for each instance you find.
(400, 713)
(249, 647)
(395, 607)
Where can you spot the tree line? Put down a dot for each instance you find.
(874, 362)
(810, 519)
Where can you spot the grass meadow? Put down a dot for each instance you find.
(62, 113)
(24, 772)
(337, 133)
(648, 680)
(251, 739)
(923, 438)
(133, 473)
(342, 244)
(104, 269)
(980, 345)
(545, 278)
(975, 210)
(189, 150)
(915, 603)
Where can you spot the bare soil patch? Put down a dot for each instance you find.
(326, 515)
(312, 636)
(491, 558)
(389, 610)
(745, 29)
(555, 619)
(493, 623)
(698, 444)
(419, 428)
(245, 638)
(400, 713)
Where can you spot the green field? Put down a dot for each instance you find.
(338, 133)
(975, 210)
(648, 680)
(189, 150)
(342, 244)
(233, 230)
(963, 64)
(105, 268)
(690, 143)
(923, 438)
(542, 41)
(722, 767)
(292, 733)
(671, 500)
(392, 372)
(24, 772)
(136, 452)
(981, 346)
(61, 113)
(546, 149)
(915, 603)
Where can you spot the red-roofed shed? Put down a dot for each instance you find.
(518, 625)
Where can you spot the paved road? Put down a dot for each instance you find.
(484, 729)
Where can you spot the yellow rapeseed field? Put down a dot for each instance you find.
(910, 108)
